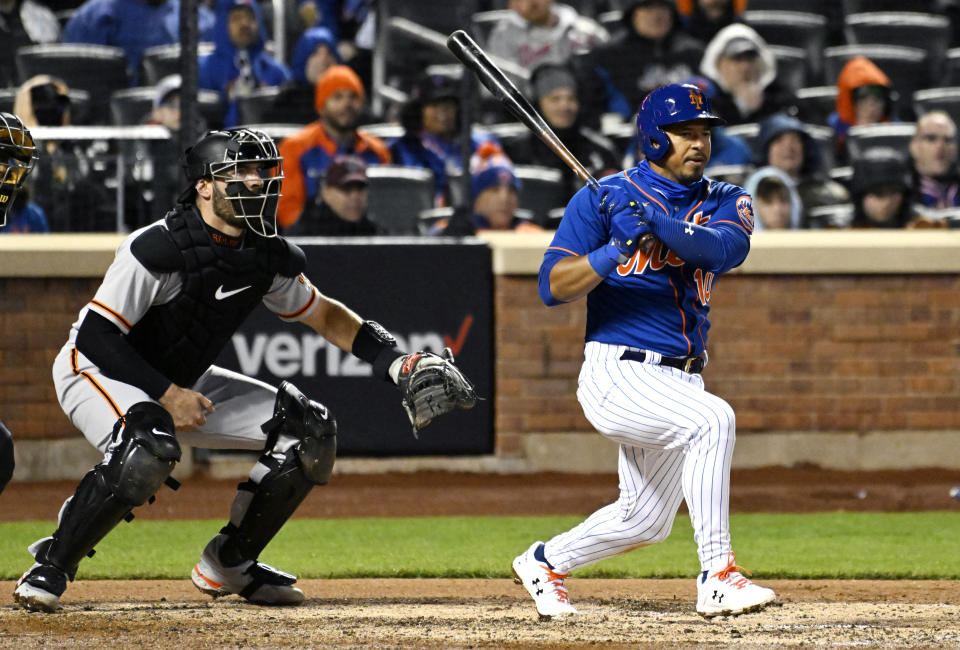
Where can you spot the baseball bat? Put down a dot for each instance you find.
(491, 76)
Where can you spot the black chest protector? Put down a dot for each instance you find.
(221, 286)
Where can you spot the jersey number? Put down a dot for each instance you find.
(704, 285)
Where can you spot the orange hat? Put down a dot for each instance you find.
(337, 77)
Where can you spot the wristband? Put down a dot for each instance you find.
(375, 345)
(601, 263)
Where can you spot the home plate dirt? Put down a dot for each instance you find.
(411, 613)
(156, 615)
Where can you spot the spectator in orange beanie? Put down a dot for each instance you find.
(307, 153)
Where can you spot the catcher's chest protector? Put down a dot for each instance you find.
(221, 286)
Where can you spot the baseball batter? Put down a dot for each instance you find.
(648, 303)
(135, 375)
(18, 155)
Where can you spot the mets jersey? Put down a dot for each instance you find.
(656, 301)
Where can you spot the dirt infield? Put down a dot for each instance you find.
(496, 613)
(486, 614)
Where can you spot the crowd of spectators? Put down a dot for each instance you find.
(586, 65)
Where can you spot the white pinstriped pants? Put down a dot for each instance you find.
(676, 441)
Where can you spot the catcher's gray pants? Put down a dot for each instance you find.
(94, 403)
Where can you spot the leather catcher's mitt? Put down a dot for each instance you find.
(431, 385)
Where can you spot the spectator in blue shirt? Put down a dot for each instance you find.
(239, 62)
(133, 25)
(315, 52)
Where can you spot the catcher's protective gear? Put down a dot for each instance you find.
(217, 154)
(300, 451)
(18, 155)
(431, 385)
(670, 105)
(6, 456)
(138, 461)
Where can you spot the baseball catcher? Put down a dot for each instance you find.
(136, 375)
(18, 155)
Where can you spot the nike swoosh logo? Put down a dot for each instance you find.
(221, 294)
(159, 432)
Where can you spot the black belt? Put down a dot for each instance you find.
(687, 364)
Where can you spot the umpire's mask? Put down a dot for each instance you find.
(219, 154)
(18, 154)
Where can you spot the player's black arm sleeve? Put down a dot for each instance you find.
(104, 344)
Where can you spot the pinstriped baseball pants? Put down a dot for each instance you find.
(676, 442)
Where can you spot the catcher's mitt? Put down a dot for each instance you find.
(431, 385)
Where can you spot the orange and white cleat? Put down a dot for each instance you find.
(544, 585)
(257, 582)
(729, 593)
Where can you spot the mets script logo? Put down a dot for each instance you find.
(696, 99)
(745, 212)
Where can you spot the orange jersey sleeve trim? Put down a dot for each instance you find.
(565, 250)
(93, 382)
(738, 225)
(662, 207)
(302, 310)
(112, 312)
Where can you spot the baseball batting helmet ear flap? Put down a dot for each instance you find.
(219, 154)
(18, 155)
(670, 105)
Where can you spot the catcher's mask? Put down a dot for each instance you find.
(217, 156)
(18, 155)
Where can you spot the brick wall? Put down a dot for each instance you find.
(789, 352)
(35, 317)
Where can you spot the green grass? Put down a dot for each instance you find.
(821, 545)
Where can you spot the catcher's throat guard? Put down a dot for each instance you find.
(430, 385)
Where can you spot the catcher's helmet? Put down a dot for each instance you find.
(670, 105)
(216, 156)
(18, 154)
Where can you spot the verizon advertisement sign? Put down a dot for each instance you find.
(429, 295)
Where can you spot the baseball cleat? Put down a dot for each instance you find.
(729, 593)
(259, 583)
(543, 584)
(40, 588)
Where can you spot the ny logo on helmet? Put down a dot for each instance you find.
(696, 99)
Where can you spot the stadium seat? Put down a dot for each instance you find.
(98, 69)
(163, 60)
(749, 132)
(736, 174)
(256, 107)
(541, 190)
(427, 219)
(938, 99)
(7, 97)
(895, 135)
(793, 66)
(851, 7)
(816, 103)
(839, 215)
(813, 6)
(398, 195)
(793, 29)
(951, 72)
(130, 106)
(907, 68)
(906, 28)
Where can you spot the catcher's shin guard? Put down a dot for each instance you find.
(300, 451)
(138, 461)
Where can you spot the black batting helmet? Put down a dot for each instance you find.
(18, 155)
(216, 156)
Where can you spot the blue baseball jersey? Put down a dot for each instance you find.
(656, 300)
